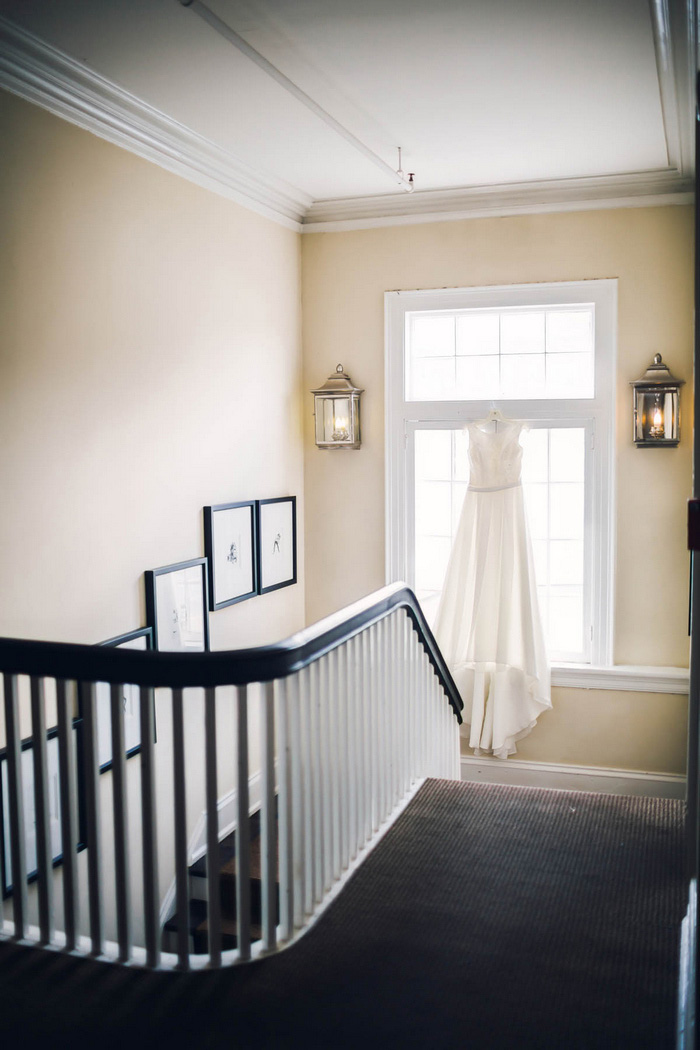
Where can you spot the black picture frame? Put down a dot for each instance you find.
(277, 534)
(131, 699)
(27, 776)
(174, 613)
(231, 548)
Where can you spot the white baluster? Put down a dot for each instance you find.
(333, 705)
(69, 810)
(214, 930)
(92, 807)
(16, 808)
(268, 821)
(242, 826)
(326, 757)
(298, 821)
(317, 778)
(306, 762)
(182, 894)
(42, 814)
(119, 815)
(286, 862)
(343, 702)
(149, 830)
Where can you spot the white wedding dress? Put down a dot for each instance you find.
(488, 622)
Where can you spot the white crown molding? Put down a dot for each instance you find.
(636, 190)
(42, 74)
(561, 777)
(666, 680)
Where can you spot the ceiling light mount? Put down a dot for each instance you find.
(406, 179)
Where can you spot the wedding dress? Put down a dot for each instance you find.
(488, 622)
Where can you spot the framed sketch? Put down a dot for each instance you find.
(230, 544)
(277, 543)
(131, 701)
(29, 807)
(177, 606)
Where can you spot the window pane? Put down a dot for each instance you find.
(461, 455)
(570, 375)
(570, 331)
(566, 512)
(535, 456)
(433, 508)
(567, 452)
(433, 449)
(522, 332)
(565, 626)
(477, 333)
(536, 510)
(459, 491)
(432, 335)
(540, 552)
(565, 562)
(522, 376)
(477, 379)
(432, 555)
(432, 379)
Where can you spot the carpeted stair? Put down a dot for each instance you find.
(198, 924)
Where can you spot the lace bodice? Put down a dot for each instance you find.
(495, 456)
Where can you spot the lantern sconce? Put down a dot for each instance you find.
(657, 420)
(337, 412)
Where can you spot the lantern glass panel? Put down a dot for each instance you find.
(656, 415)
(334, 420)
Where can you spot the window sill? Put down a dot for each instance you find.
(629, 678)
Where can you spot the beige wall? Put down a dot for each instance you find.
(150, 363)
(649, 251)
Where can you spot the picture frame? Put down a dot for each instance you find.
(28, 800)
(277, 543)
(140, 639)
(231, 548)
(177, 606)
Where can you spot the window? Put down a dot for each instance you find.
(540, 353)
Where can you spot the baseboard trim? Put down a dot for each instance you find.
(572, 778)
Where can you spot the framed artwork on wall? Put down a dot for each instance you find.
(131, 701)
(29, 807)
(177, 606)
(230, 544)
(277, 543)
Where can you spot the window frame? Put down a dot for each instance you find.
(597, 414)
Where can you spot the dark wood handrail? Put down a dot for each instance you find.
(97, 663)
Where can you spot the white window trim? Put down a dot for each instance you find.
(400, 415)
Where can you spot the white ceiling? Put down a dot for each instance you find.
(499, 105)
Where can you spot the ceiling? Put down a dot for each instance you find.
(297, 107)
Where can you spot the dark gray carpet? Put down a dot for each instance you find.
(489, 917)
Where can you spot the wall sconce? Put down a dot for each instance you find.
(337, 412)
(657, 420)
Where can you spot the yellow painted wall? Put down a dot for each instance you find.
(649, 251)
(150, 364)
(143, 375)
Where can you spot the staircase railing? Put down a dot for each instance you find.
(341, 722)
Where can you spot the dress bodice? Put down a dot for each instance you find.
(495, 456)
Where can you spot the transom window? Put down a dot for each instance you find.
(495, 354)
(543, 354)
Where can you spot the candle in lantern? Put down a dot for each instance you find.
(657, 418)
